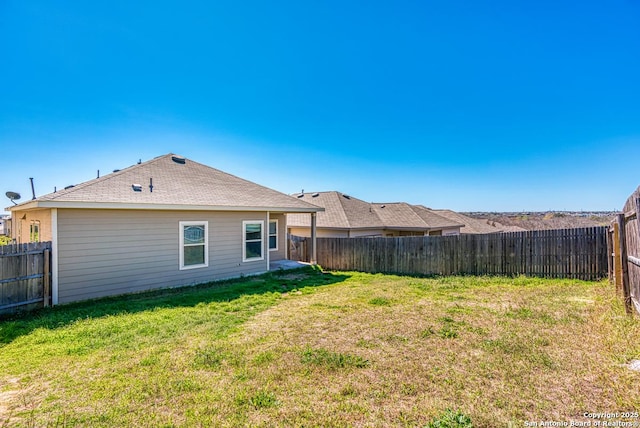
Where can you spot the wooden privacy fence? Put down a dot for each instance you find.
(566, 253)
(25, 279)
(623, 245)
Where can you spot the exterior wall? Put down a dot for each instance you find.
(281, 252)
(451, 231)
(109, 252)
(20, 227)
(4, 226)
(355, 233)
(320, 232)
(365, 233)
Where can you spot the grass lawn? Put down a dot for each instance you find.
(303, 348)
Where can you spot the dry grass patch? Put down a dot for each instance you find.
(313, 349)
(499, 350)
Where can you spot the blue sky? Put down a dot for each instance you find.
(484, 106)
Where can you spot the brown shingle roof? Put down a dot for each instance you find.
(341, 212)
(404, 215)
(175, 185)
(347, 212)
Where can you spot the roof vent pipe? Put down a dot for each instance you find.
(33, 191)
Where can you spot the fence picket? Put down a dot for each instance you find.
(23, 276)
(563, 253)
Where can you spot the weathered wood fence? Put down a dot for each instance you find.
(25, 277)
(624, 252)
(566, 253)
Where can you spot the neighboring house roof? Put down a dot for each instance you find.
(178, 184)
(346, 212)
(477, 226)
(340, 212)
(402, 214)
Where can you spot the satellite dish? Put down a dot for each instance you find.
(13, 196)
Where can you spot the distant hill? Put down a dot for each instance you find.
(477, 225)
(546, 220)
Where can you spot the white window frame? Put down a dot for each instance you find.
(244, 240)
(34, 230)
(270, 235)
(182, 224)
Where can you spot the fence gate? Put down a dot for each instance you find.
(624, 256)
(298, 248)
(25, 276)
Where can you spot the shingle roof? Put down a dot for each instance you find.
(404, 215)
(176, 185)
(346, 212)
(340, 212)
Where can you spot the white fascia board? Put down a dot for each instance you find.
(168, 207)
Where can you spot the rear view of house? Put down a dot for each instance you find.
(162, 223)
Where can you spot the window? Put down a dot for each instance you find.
(194, 244)
(252, 240)
(273, 235)
(34, 231)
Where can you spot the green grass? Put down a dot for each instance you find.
(451, 419)
(306, 348)
(332, 360)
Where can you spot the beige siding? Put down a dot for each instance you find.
(107, 252)
(451, 231)
(21, 220)
(280, 253)
(366, 233)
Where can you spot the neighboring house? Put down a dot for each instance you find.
(163, 223)
(477, 226)
(346, 216)
(5, 225)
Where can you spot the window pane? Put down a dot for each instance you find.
(194, 255)
(194, 234)
(273, 242)
(253, 231)
(253, 250)
(272, 228)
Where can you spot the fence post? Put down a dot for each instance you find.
(617, 259)
(638, 215)
(609, 254)
(46, 279)
(624, 262)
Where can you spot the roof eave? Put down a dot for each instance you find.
(170, 207)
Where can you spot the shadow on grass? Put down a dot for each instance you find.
(218, 291)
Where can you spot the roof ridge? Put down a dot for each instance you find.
(343, 212)
(253, 183)
(111, 175)
(433, 213)
(193, 185)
